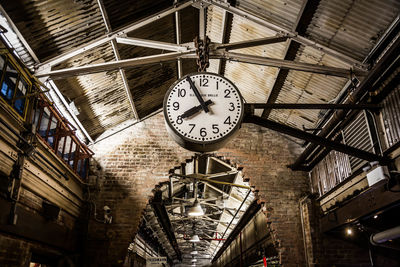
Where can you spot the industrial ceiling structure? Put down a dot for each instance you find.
(281, 51)
(223, 196)
(109, 63)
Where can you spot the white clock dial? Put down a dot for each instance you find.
(206, 119)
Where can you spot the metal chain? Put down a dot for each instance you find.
(202, 52)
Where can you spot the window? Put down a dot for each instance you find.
(14, 86)
(391, 117)
(336, 166)
(9, 82)
(19, 103)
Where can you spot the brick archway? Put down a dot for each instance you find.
(134, 161)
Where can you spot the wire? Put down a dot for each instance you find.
(371, 259)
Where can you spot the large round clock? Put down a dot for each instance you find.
(202, 111)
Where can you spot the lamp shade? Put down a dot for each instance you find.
(194, 252)
(195, 238)
(194, 260)
(196, 209)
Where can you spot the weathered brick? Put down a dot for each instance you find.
(263, 154)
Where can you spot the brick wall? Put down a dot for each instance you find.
(135, 160)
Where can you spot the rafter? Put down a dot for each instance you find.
(303, 20)
(107, 66)
(117, 56)
(252, 43)
(178, 39)
(108, 37)
(285, 129)
(153, 44)
(287, 64)
(225, 34)
(293, 35)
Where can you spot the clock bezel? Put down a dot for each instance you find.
(201, 146)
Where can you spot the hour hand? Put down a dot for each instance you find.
(194, 110)
(198, 95)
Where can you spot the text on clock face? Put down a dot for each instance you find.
(211, 120)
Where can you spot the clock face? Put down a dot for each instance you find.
(217, 117)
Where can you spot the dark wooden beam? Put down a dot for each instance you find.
(285, 129)
(303, 20)
(310, 106)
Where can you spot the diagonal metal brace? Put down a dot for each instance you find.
(285, 129)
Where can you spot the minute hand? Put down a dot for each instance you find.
(197, 93)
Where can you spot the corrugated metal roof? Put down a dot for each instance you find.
(254, 82)
(349, 26)
(100, 97)
(305, 87)
(281, 12)
(352, 27)
(16, 43)
(56, 25)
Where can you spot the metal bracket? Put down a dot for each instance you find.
(285, 129)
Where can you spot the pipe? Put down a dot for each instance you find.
(384, 236)
(301, 202)
(241, 250)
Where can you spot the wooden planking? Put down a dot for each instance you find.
(45, 187)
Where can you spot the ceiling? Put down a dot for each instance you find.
(223, 196)
(339, 33)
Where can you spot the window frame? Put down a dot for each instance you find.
(21, 75)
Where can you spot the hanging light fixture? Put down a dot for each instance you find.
(194, 260)
(196, 209)
(194, 239)
(194, 252)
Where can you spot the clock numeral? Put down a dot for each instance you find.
(181, 92)
(204, 82)
(217, 85)
(203, 132)
(232, 108)
(228, 120)
(227, 93)
(192, 125)
(175, 105)
(215, 128)
(179, 120)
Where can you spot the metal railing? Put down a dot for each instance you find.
(22, 95)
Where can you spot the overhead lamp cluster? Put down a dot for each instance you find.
(195, 211)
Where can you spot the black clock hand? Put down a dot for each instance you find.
(195, 109)
(197, 93)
